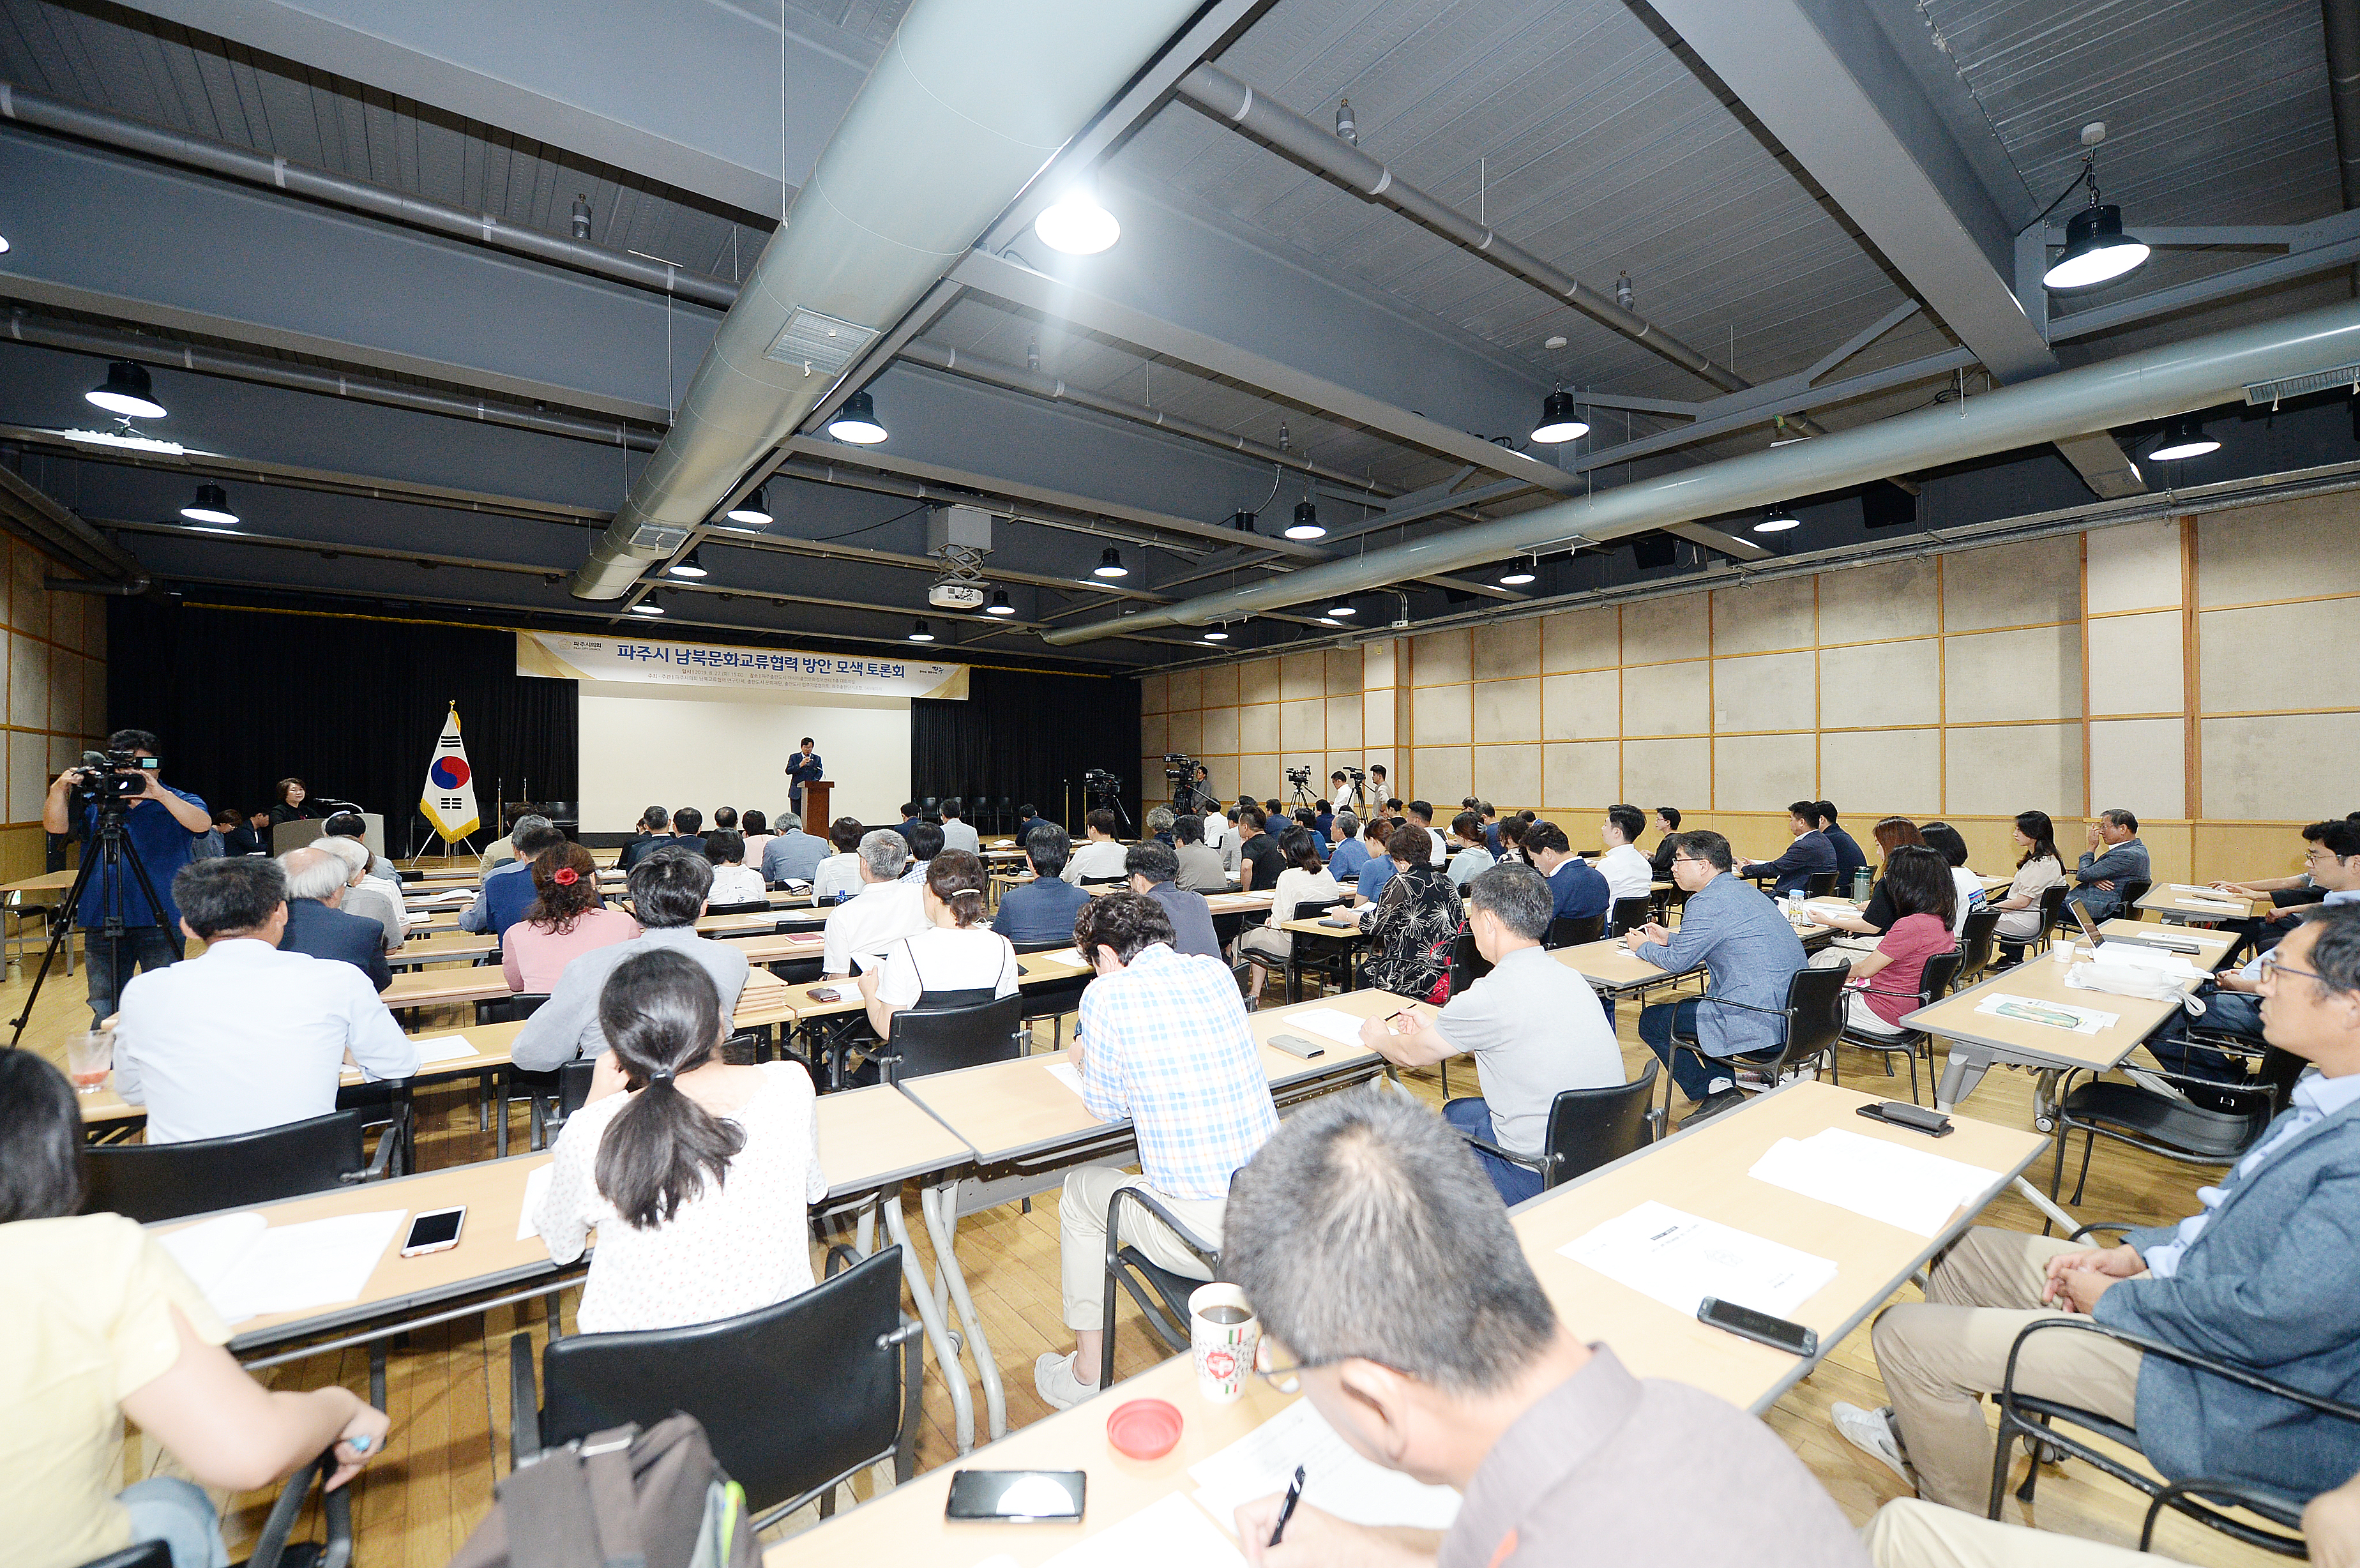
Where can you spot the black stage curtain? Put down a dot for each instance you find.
(1024, 736)
(241, 699)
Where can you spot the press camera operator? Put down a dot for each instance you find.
(163, 825)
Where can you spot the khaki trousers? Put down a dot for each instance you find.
(1907, 1533)
(1081, 1236)
(1939, 1358)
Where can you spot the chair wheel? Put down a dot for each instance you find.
(2044, 1123)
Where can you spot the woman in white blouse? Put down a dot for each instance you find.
(734, 881)
(954, 961)
(695, 1174)
(1305, 880)
(2039, 868)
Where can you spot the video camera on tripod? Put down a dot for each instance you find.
(111, 780)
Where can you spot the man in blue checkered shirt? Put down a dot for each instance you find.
(1163, 1041)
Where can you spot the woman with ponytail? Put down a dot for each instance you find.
(956, 961)
(696, 1175)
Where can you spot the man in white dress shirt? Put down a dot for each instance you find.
(1628, 873)
(245, 1037)
(885, 910)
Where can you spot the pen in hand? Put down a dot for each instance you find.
(1286, 1509)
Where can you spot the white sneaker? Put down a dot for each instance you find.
(1058, 1385)
(1872, 1432)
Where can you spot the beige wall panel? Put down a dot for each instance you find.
(1583, 639)
(1186, 690)
(1220, 775)
(1303, 675)
(1377, 718)
(28, 682)
(1766, 692)
(1875, 684)
(1184, 733)
(1258, 727)
(1891, 773)
(2140, 765)
(2134, 664)
(1660, 771)
(1507, 711)
(1151, 691)
(2169, 850)
(1258, 681)
(1442, 776)
(97, 640)
(1765, 616)
(2289, 767)
(1666, 700)
(2013, 584)
(1501, 652)
(1439, 658)
(1151, 733)
(1218, 685)
(1302, 725)
(2134, 567)
(1344, 723)
(1444, 715)
(1221, 733)
(2253, 659)
(1259, 775)
(28, 776)
(2278, 552)
(1587, 706)
(1509, 777)
(1655, 630)
(1874, 603)
(1762, 773)
(2245, 852)
(1999, 772)
(93, 699)
(28, 602)
(65, 690)
(1343, 672)
(65, 751)
(1377, 664)
(2034, 673)
(7, 584)
(1578, 773)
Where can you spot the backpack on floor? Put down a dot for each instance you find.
(619, 1499)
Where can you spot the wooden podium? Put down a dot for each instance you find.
(816, 812)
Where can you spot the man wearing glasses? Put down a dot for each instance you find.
(2289, 893)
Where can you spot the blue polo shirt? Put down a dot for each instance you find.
(164, 846)
(1379, 871)
(1579, 891)
(1345, 860)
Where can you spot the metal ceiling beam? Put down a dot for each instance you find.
(1827, 80)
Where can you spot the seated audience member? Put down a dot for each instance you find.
(2116, 855)
(1951, 845)
(910, 818)
(1304, 881)
(2037, 869)
(1232, 840)
(1490, 815)
(478, 916)
(697, 1176)
(1535, 1026)
(1876, 914)
(1347, 851)
(1044, 908)
(1217, 824)
(725, 817)
(1033, 818)
(1628, 873)
(1323, 817)
(1746, 946)
(1379, 869)
(238, 834)
(1885, 981)
(1576, 885)
(1200, 864)
(508, 892)
(925, 843)
(957, 960)
(365, 896)
(957, 833)
(792, 854)
(1308, 820)
(668, 896)
(1163, 1039)
(353, 826)
(838, 876)
(212, 844)
(1667, 823)
(1101, 859)
(1388, 1277)
(756, 826)
(1415, 925)
(1848, 855)
(1260, 860)
(502, 850)
(655, 833)
(317, 923)
(1422, 814)
(1471, 857)
(1154, 871)
(250, 1034)
(2264, 1277)
(688, 830)
(2291, 895)
(1511, 842)
(733, 881)
(1809, 855)
(1909, 1532)
(1159, 824)
(567, 918)
(108, 1328)
(886, 909)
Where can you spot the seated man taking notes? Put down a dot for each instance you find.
(1747, 947)
(1809, 855)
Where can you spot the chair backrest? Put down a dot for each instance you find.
(510, 1009)
(151, 1181)
(1591, 1127)
(1572, 930)
(2131, 892)
(1975, 941)
(139, 1554)
(574, 1084)
(1312, 909)
(925, 1041)
(1046, 945)
(743, 907)
(1815, 1014)
(790, 1396)
(1818, 884)
(1467, 965)
(1105, 881)
(1941, 973)
(2052, 902)
(1628, 914)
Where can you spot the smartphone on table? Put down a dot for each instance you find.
(434, 1230)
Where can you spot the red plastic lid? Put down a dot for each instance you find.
(1144, 1429)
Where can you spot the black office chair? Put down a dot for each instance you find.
(1815, 1019)
(1334, 961)
(1818, 884)
(743, 907)
(925, 1041)
(2220, 1134)
(1161, 1294)
(535, 1087)
(1934, 982)
(2052, 915)
(794, 1397)
(1591, 1127)
(1628, 914)
(1978, 944)
(270, 1545)
(1051, 1001)
(152, 1181)
(2130, 893)
(1573, 930)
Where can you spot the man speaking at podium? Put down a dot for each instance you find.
(802, 769)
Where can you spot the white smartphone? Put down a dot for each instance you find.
(434, 1230)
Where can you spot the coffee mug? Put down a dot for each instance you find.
(1223, 1333)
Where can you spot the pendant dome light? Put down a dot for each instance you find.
(1076, 223)
(754, 511)
(1522, 572)
(212, 505)
(2096, 249)
(1780, 519)
(687, 566)
(1110, 564)
(126, 392)
(1307, 524)
(1340, 610)
(918, 633)
(2184, 437)
(1559, 422)
(1216, 635)
(857, 421)
(648, 606)
(999, 604)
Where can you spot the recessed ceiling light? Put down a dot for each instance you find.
(126, 391)
(918, 633)
(687, 566)
(2183, 436)
(1076, 223)
(1110, 564)
(212, 505)
(1559, 420)
(857, 421)
(754, 511)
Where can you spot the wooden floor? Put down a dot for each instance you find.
(448, 1386)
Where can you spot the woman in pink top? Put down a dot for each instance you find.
(567, 920)
(1885, 983)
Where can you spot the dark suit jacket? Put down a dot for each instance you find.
(323, 932)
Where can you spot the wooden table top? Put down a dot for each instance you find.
(763, 1001)
(1031, 969)
(2021, 1040)
(445, 947)
(1612, 967)
(2206, 905)
(48, 882)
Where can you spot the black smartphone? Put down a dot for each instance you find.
(1760, 1327)
(1016, 1496)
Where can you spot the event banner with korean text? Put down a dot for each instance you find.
(660, 661)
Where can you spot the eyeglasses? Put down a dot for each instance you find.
(1285, 1379)
(2270, 969)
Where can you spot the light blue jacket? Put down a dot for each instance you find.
(1751, 951)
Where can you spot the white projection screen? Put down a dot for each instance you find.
(672, 745)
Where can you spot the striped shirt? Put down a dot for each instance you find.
(1165, 1042)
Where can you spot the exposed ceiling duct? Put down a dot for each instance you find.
(965, 107)
(2152, 384)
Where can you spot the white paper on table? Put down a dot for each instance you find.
(1065, 1073)
(1680, 1260)
(1328, 1023)
(247, 1267)
(1063, 955)
(207, 1252)
(2207, 904)
(1335, 1478)
(2085, 1020)
(2138, 956)
(536, 1187)
(2186, 888)
(1167, 1533)
(433, 1050)
(1825, 912)
(1913, 1189)
(454, 896)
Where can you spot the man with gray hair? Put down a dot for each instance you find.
(792, 855)
(478, 916)
(1535, 1028)
(364, 895)
(1387, 1276)
(1350, 852)
(2116, 855)
(885, 910)
(316, 924)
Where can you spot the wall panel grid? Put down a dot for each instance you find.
(56, 687)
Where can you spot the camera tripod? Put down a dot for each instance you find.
(1303, 795)
(114, 849)
(1096, 795)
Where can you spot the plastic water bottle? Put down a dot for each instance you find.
(1860, 886)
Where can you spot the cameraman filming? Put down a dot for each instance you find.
(163, 825)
